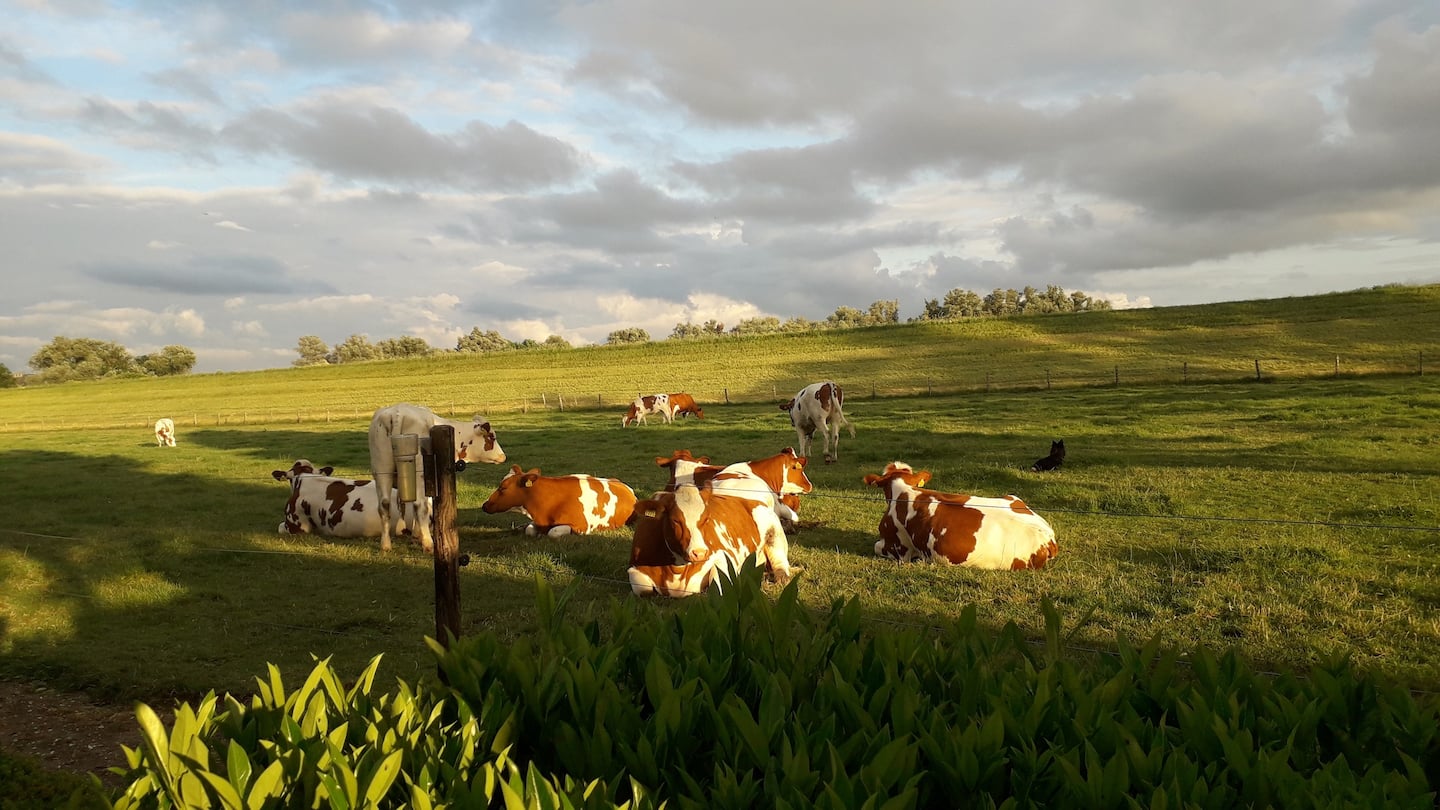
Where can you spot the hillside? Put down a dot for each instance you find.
(1385, 330)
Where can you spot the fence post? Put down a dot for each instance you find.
(727, 395)
(1047, 379)
(561, 399)
(447, 539)
(1337, 365)
(1185, 372)
(1257, 368)
(543, 401)
(929, 389)
(1117, 376)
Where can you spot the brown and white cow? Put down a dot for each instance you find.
(683, 538)
(683, 404)
(324, 505)
(992, 533)
(165, 432)
(652, 404)
(818, 408)
(773, 479)
(474, 442)
(778, 473)
(559, 505)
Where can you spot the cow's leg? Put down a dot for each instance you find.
(558, 531)
(384, 486)
(832, 441)
(422, 505)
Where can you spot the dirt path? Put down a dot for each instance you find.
(65, 731)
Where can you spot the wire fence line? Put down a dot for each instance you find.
(585, 397)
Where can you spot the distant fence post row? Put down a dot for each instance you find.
(1046, 378)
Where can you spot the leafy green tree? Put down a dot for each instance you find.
(632, 334)
(555, 342)
(1002, 302)
(355, 349)
(799, 324)
(7, 378)
(170, 361)
(757, 326)
(844, 318)
(883, 312)
(963, 304)
(713, 328)
(478, 341)
(312, 351)
(685, 331)
(66, 358)
(407, 346)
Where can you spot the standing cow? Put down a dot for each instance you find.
(992, 533)
(683, 538)
(818, 407)
(165, 432)
(683, 404)
(559, 505)
(473, 442)
(652, 404)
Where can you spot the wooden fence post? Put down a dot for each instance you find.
(1257, 368)
(1337, 365)
(1185, 372)
(1117, 376)
(727, 395)
(447, 539)
(561, 399)
(1047, 379)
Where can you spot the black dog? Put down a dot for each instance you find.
(1052, 461)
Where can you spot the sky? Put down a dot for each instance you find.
(231, 176)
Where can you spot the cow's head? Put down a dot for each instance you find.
(513, 492)
(795, 482)
(679, 515)
(788, 405)
(479, 444)
(300, 467)
(899, 471)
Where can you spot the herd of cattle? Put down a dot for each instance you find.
(709, 517)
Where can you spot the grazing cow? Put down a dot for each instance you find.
(165, 432)
(922, 524)
(473, 442)
(332, 507)
(1050, 462)
(683, 538)
(818, 407)
(655, 403)
(559, 505)
(683, 404)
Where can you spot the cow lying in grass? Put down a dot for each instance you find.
(782, 474)
(324, 505)
(683, 538)
(922, 524)
(559, 505)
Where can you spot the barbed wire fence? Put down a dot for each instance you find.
(584, 397)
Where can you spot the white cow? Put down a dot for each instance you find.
(473, 442)
(652, 404)
(165, 432)
(817, 407)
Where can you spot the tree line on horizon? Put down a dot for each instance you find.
(957, 304)
(64, 359)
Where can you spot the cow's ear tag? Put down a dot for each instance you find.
(650, 513)
(529, 482)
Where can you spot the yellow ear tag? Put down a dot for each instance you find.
(529, 482)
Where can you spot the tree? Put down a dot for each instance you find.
(407, 346)
(7, 378)
(799, 324)
(883, 312)
(355, 349)
(170, 361)
(963, 304)
(81, 359)
(845, 317)
(477, 341)
(312, 351)
(556, 342)
(713, 328)
(633, 334)
(685, 331)
(757, 326)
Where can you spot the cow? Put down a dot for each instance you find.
(683, 538)
(687, 469)
(474, 442)
(327, 506)
(559, 505)
(165, 432)
(683, 404)
(990, 533)
(818, 407)
(652, 404)
(779, 473)
(1052, 461)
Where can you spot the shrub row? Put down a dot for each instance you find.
(740, 700)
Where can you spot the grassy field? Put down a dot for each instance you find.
(1296, 519)
(1390, 330)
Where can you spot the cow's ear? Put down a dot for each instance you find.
(327, 470)
(924, 476)
(481, 423)
(872, 479)
(661, 461)
(530, 477)
(648, 508)
(785, 406)
(702, 459)
(278, 475)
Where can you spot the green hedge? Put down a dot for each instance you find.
(741, 701)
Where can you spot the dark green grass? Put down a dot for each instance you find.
(1277, 518)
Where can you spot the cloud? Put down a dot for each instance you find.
(208, 275)
(30, 160)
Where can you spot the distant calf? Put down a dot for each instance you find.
(165, 432)
(922, 524)
(1055, 459)
(473, 442)
(559, 505)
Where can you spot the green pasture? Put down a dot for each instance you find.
(1382, 331)
(1296, 520)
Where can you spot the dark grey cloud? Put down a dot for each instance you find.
(14, 63)
(378, 143)
(619, 213)
(210, 275)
